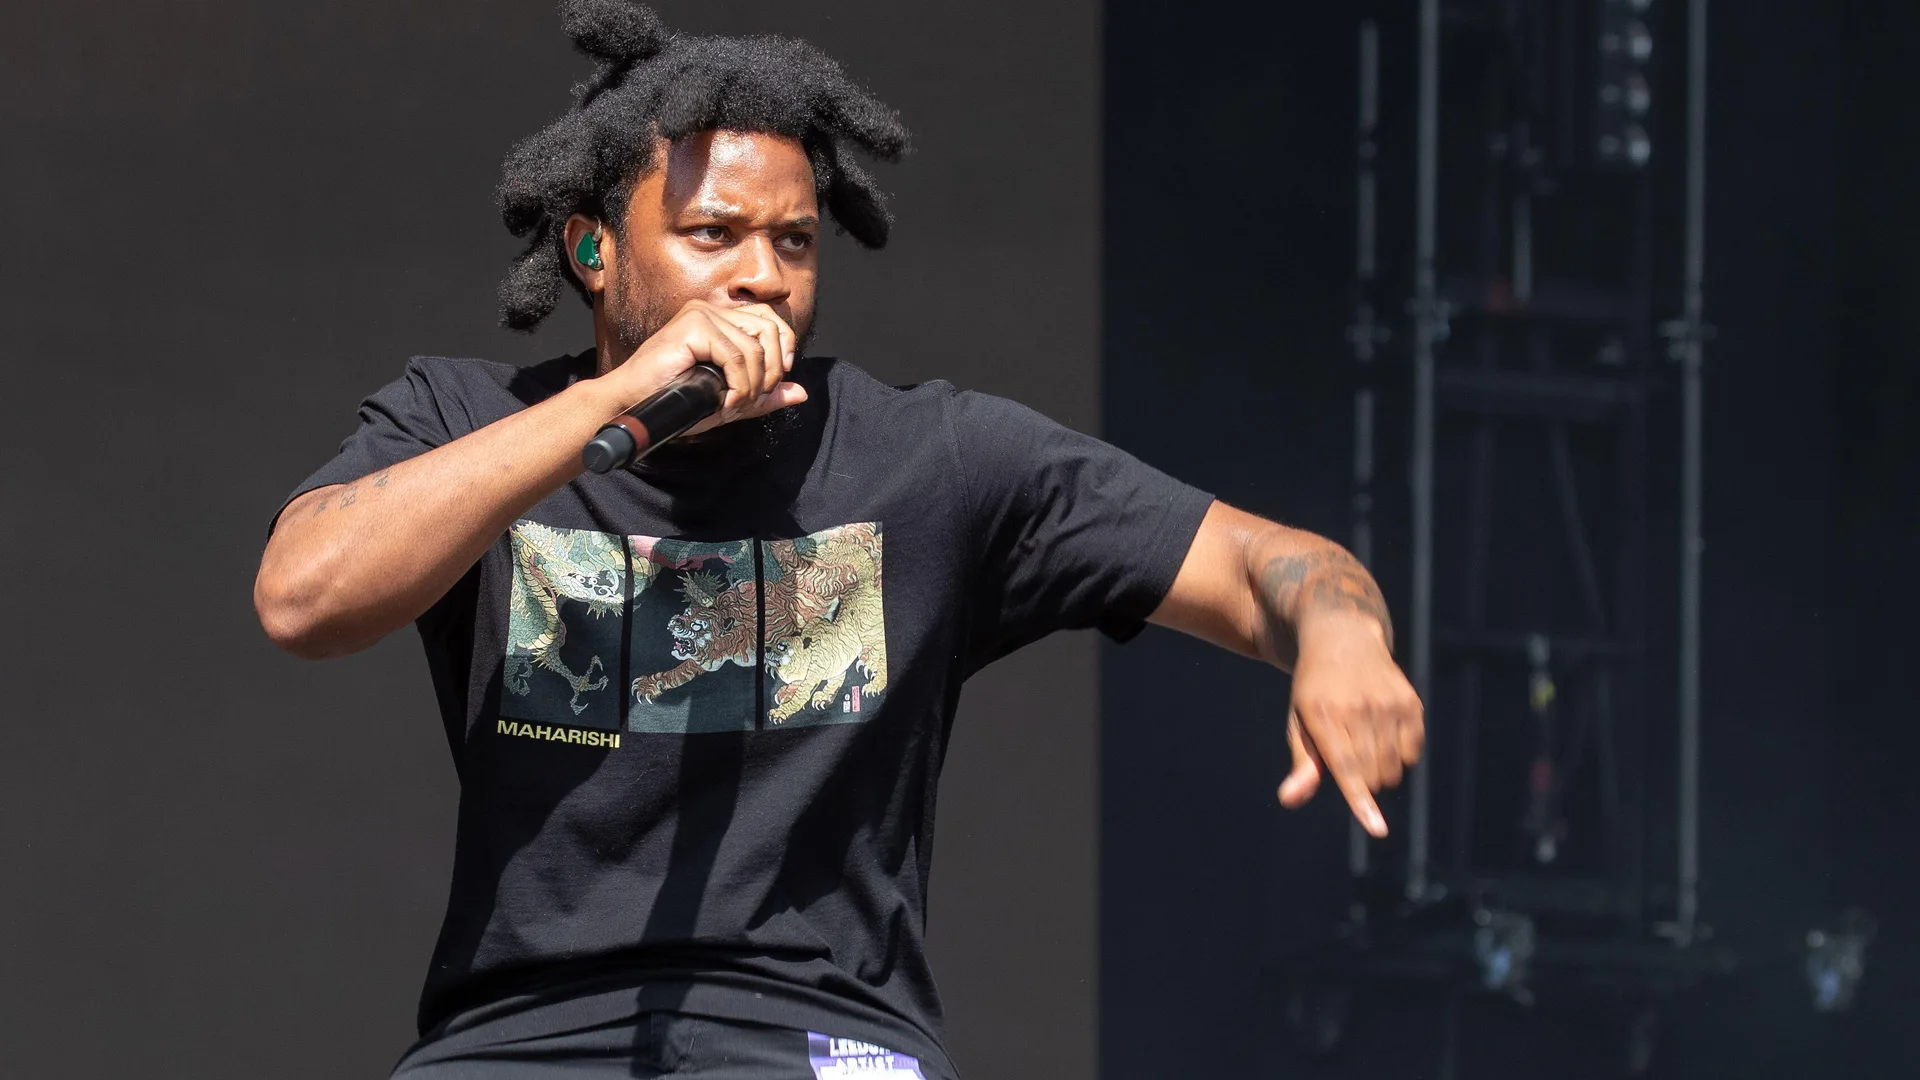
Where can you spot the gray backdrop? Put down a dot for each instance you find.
(228, 221)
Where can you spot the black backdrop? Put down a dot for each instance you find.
(1228, 148)
(226, 221)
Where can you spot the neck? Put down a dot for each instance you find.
(606, 343)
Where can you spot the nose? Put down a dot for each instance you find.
(759, 277)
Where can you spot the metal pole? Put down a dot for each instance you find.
(1428, 327)
(1366, 267)
(1692, 333)
(1365, 259)
(1523, 245)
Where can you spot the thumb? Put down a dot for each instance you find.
(1304, 779)
(783, 396)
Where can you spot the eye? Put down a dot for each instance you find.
(712, 234)
(796, 242)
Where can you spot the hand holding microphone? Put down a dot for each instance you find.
(722, 364)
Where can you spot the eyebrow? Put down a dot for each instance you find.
(714, 211)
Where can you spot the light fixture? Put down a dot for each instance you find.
(1638, 95)
(1503, 948)
(1837, 961)
(1624, 93)
(1639, 42)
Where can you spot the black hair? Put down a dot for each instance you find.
(652, 83)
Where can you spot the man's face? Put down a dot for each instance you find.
(729, 217)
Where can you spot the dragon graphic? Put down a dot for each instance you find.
(551, 565)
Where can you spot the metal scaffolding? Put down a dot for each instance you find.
(1518, 350)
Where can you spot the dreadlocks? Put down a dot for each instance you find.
(650, 83)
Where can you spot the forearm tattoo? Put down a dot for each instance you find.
(1294, 586)
(350, 494)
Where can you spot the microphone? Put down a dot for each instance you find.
(690, 398)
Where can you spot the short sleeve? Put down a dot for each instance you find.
(401, 420)
(1068, 532)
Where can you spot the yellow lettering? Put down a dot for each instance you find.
(570, 735)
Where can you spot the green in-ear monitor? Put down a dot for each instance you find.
(587, 252)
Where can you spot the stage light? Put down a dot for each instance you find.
(1631, 93)
(1837, 961)
(1624, 94)
(1631, 146)
(1639, 146)
(1503, 947)
(1638, 95)
(1639, 42)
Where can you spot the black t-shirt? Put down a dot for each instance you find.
(653, 817)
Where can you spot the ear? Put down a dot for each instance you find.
(579, 228)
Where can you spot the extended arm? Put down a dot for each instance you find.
(1305, 605)
(350, 563)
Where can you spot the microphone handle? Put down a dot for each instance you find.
(690, 398)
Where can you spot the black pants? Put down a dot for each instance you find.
(661, 1044)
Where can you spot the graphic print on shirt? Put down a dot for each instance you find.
(693, 620)
(826, 637)
(563, 627)
(695, 637)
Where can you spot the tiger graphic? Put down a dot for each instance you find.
(716, 628)
(823, 617)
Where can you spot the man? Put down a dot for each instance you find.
(699, 706)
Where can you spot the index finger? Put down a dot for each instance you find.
(1342, 758)
(784, 334)
(766, 332)
(721, 343)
